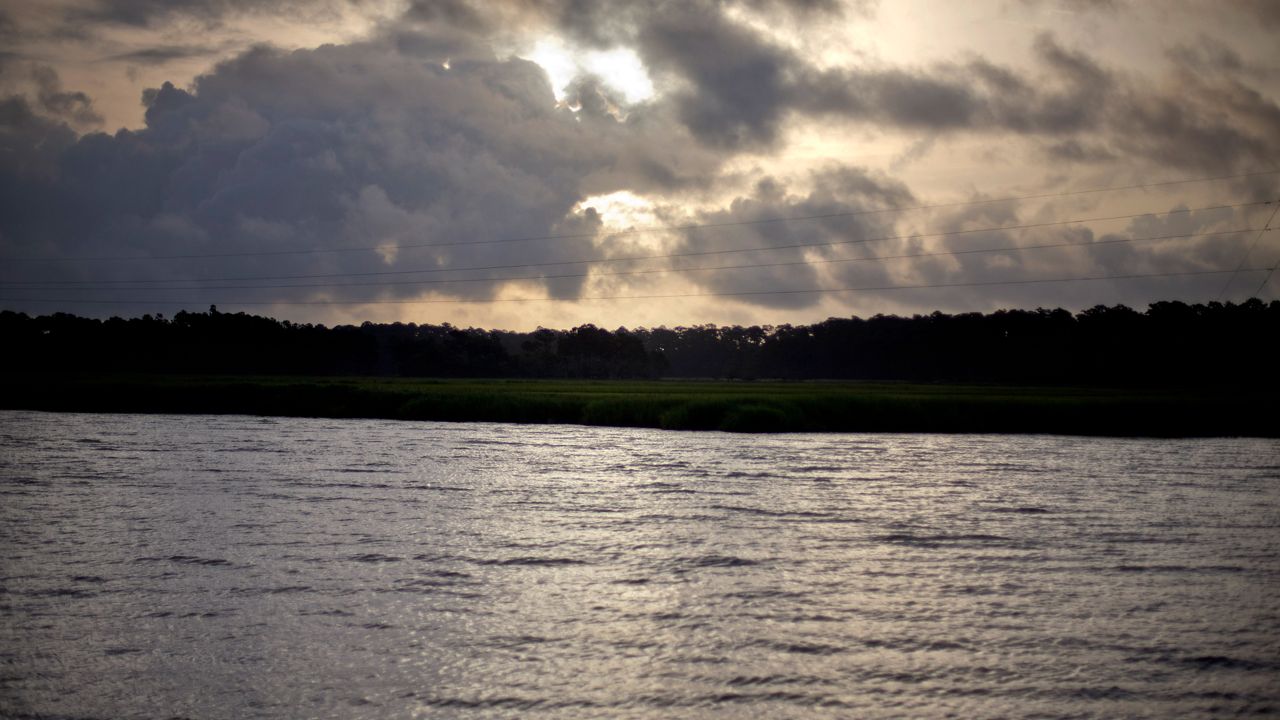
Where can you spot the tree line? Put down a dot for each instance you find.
(1170, 343)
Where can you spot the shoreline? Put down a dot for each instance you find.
(759, 406)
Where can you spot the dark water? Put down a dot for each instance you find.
(232, 567)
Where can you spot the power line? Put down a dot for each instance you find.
(1265, 280)
(1245, 258)
(639, 231)
(663, 271)
(744, 293)
(661, 256)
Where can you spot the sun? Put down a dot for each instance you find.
(620, 68)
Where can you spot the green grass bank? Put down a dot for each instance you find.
(675, 405)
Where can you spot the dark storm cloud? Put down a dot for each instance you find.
(648, 149)
(1265, 11)
(147, 13)
(1076, 250)
(839, 194)
(30, 145)
(740, 87)
(977, 96)
(817, 9)
(335, 147)
(737, 90)
(59, 24)
(43, 93)
(606, 23)
(1207, 55)
(74, 107)
(964, 245)
(162, 54)
(422, 135)
(457, 14)
(1076, 67)
(1104, 6)
(1078, 152)
(730, 87)
(1205, 123)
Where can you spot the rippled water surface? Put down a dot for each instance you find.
(232, 567)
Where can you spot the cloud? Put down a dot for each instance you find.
(1206, 55)
(606, 23)
(1077, 152)
(162, 54)
(343, 146)
(74, 107)
(1079, 6)
(30, 145)
(1202, 125)
(739, 85)
(423, 134)
(737, 90)
(1266, 12)
(148, 13)
(1197, 121)
(845, 200)
(977, 97)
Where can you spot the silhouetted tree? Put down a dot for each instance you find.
(1170, 343)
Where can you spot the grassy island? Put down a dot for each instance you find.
(676, 405)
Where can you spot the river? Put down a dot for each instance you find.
(235, 567)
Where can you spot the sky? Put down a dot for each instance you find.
(559, 162)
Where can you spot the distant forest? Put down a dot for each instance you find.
(1171, 343)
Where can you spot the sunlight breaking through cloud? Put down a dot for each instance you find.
(619, 69)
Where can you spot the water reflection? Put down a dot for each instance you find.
(232, 567)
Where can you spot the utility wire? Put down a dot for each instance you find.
(663, 271)
(460, 301)
(1265, 280)
(1265, 226)
(699, 253)
(639, 231)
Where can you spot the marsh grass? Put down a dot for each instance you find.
(675, 405)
